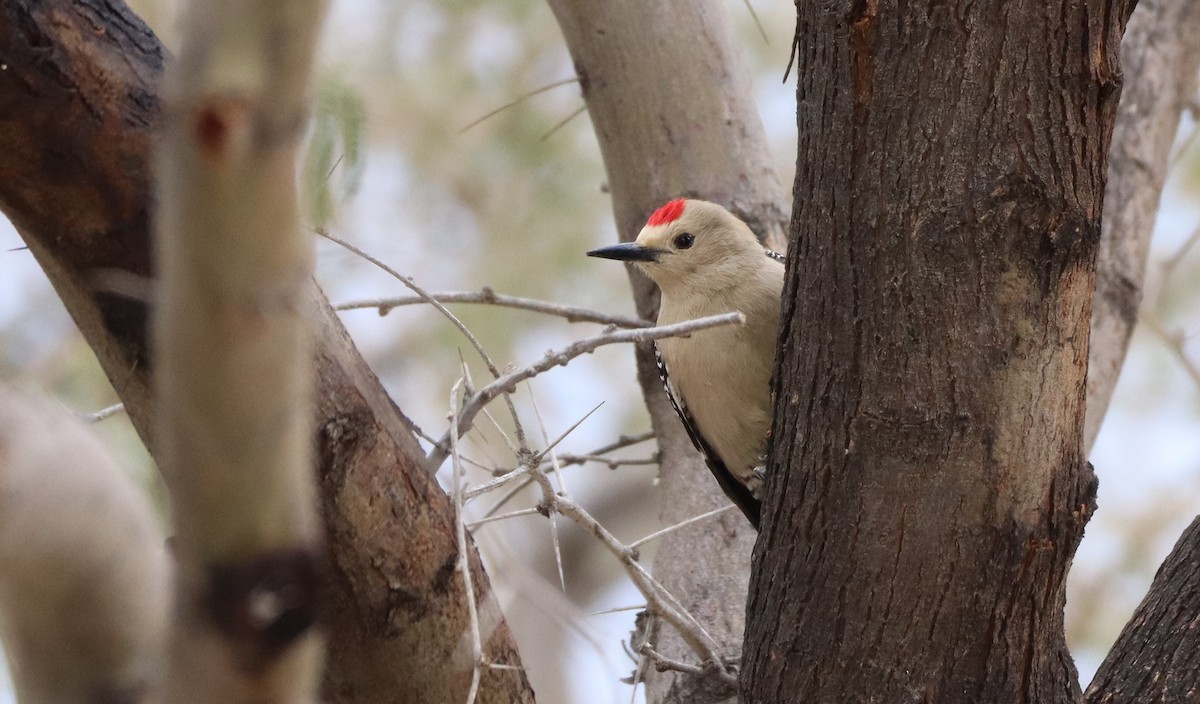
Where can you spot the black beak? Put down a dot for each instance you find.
(627, 252)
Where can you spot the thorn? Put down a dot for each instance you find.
(518, 101)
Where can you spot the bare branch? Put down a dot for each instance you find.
(464, 560)
(508, 382)
(486, 296)
(610, 462)
(663, 663)
(660, 601)
(566, 460)
(513, 514)
(424, 295)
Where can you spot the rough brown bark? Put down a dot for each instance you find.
(1161, 56)
(671, 104)
(927, 486)
(78, 105)
(1154, 659)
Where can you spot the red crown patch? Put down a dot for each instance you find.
(667, 213)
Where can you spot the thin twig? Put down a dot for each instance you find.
(558, 561)
(486, 296)
(510, 495)
(682, 524)
(540, 457)
(620, 443)
(412, 286)
(496, 483)
(464, 563)
(661, 601)
(422, 435)
(637, 677)
(493, 519)
(508, 382)
(565, 461)
(549, 449)
(563, 123)
(102, 413)
(421, 293)
(339, 161)
(562, 487)
(616, 610)
(514, 447)
(610, 462)
(662, 663)
(1174, 343)
(518, 101)
(757, 22)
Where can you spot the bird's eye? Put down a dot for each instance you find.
(684, 241)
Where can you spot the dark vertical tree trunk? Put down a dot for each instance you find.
(927, 486)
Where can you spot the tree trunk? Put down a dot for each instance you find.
(1160, 56)
(927, 486)
(671, 103)
(1155, 657)
(78, 109)
(233, 356)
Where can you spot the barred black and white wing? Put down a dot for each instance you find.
(734, 489)
(776, 256)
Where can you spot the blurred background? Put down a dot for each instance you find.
(512, 203)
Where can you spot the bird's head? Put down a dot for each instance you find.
(691, 243)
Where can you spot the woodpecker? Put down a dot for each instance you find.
(706, 261)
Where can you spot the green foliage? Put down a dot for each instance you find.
(334, 164)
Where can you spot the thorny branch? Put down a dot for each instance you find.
(508, 382)
(464, 562)
(572, 314)
(564, 460)
(597, 455)
(466, 405)
(425, 296)
(658, 600)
